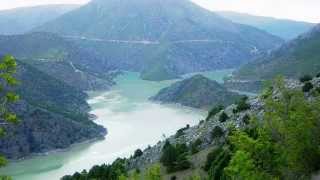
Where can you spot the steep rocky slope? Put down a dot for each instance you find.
(197, 91)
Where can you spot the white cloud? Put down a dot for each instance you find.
(304, 10)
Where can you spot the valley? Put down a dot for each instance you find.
(126, 112)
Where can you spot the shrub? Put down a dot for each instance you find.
(195, 146)
(137, 153)
(214, 111)
(211, 157)
(223, 117)
(217, 132)
(307, 87)
(174, 158)
(246, 119)
(305, 78)
(180, 132)
(318, 75)
(242, 105)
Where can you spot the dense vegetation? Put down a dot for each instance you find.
(284, 146)
(197, 91)
(294, 59)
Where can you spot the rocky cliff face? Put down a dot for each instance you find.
(197, 91)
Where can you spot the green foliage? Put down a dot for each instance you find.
(8, 67)
(214, 111)
(180, 132)
(285, 146)
(111, 172)
(137, 153)
(216, 171)
(217, 132)
(318, 75)
(153, 173)
(223, 117)
(305, 78)
(211, 157)
(242, 105)
(307, 87)
(195, 146)
(174, 158)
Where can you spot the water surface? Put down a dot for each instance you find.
(132, 122)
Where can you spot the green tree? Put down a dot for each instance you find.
(153, 173)
(8, 67)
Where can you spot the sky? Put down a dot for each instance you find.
(302, 10)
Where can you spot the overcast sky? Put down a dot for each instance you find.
(304, 10)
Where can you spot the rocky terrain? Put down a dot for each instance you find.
(203, 131)
(198, 92)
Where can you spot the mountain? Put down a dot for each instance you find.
(59, 58)
(293, 60)
(53, 116)
(22, 20)
(176, 37)
(286, 29)
(197, 91)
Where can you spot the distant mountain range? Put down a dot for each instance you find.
(294, 59)
(58, 58)
(286, 29)
(22, 20)
(160, 36)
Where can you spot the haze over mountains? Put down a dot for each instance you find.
(164, 37)
(22, 20)
(286, 29)
(294, 59)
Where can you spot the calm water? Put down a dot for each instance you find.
(132, 121)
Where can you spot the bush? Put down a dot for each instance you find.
(217, 132)
(180, 132)
(214, 111)
(246, 119)
(174, 158)
(195, 146)
(307, 87)
(242, 105)
(223, 117)
(137, 153)
(318, 75)
(305, 78)
(211, 157)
